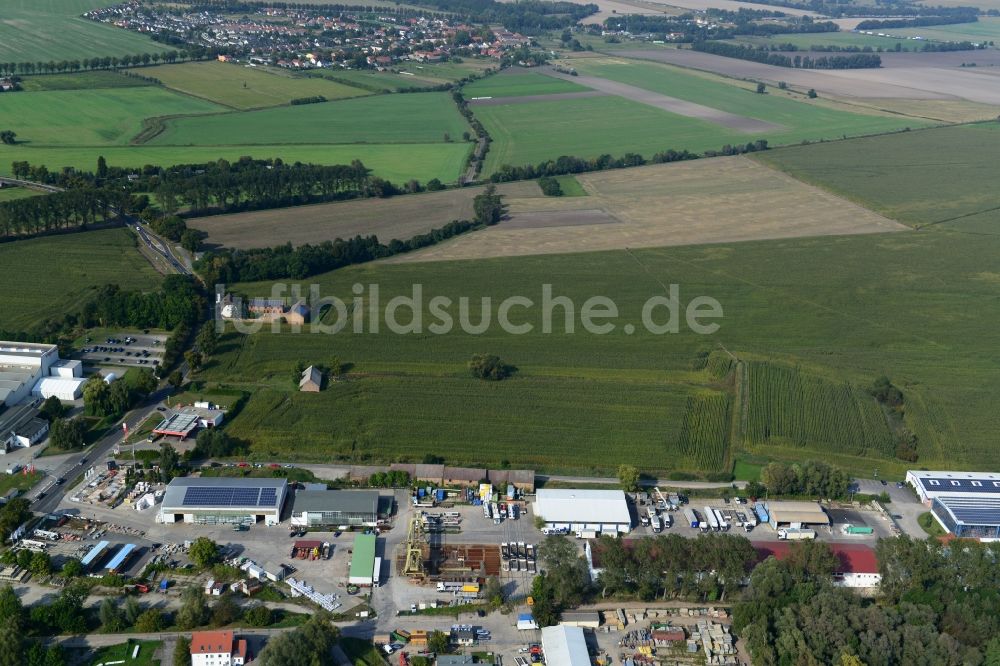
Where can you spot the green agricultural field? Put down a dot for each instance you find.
(413, 118)
(785, 404)
(445, 72)
(987, 28)
(930, 177)
(11, 193)
(395, 162)
(918, 307)
(43, 30)
(48, 277)
(368, 79)
(110, 116)
(81, 81)
(520, 84)
(570, 186)
(805, 119)
(806, 41)
(536, 131)
(242, 87)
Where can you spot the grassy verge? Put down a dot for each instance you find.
(570, 186)
(361, 652)
(929, 525)
(123, 652)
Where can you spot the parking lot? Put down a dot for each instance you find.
(124, 348)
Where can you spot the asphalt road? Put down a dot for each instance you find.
(77, 464)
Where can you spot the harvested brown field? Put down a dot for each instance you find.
(399, 217)
(686, 203)
(923, 76)
(672, 104)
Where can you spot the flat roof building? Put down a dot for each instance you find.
(222, 500)
(968, 517)
(584, 510)
(363, 561)
(22, 364)
(334, 508)
(565, 646)
(967, 504)
(929, 484)
(784, 514)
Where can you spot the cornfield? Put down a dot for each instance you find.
(783, 402)
(704, 437)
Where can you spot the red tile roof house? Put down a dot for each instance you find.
(858, 565)
(218, 648)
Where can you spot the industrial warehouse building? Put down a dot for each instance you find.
(319, 507)
(21, 426)
(604, 511)
(791, 514)
(220, 500)
(25, 370)
(967, 504)
(857, 564)
(565, 646)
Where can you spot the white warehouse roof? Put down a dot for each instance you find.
(565, 646)
(582, 506)
(64, 388)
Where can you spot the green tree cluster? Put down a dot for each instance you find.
(309, 645)
(936, 605)
(490, 367)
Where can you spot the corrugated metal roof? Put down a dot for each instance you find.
(565, 646)
(363, 556)
(582, 506)
(345, 501)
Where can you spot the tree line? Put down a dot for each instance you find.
(705, 568)
(959, 15)
(936, 604)
(898, 48)
(744, 20)
(70, 209)
(566, 164)
(286, 262)
(95, 63)
(765, 56)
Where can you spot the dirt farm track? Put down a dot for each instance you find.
(903, 76)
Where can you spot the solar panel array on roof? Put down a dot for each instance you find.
(212, 496)
(973, 510)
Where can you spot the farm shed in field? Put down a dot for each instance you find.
(785, 514)
(333, 508)
(311, 380)
(565, 646)
(584, 510)
(463, 476)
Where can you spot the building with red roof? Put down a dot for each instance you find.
(858, 564)
(218, 648)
